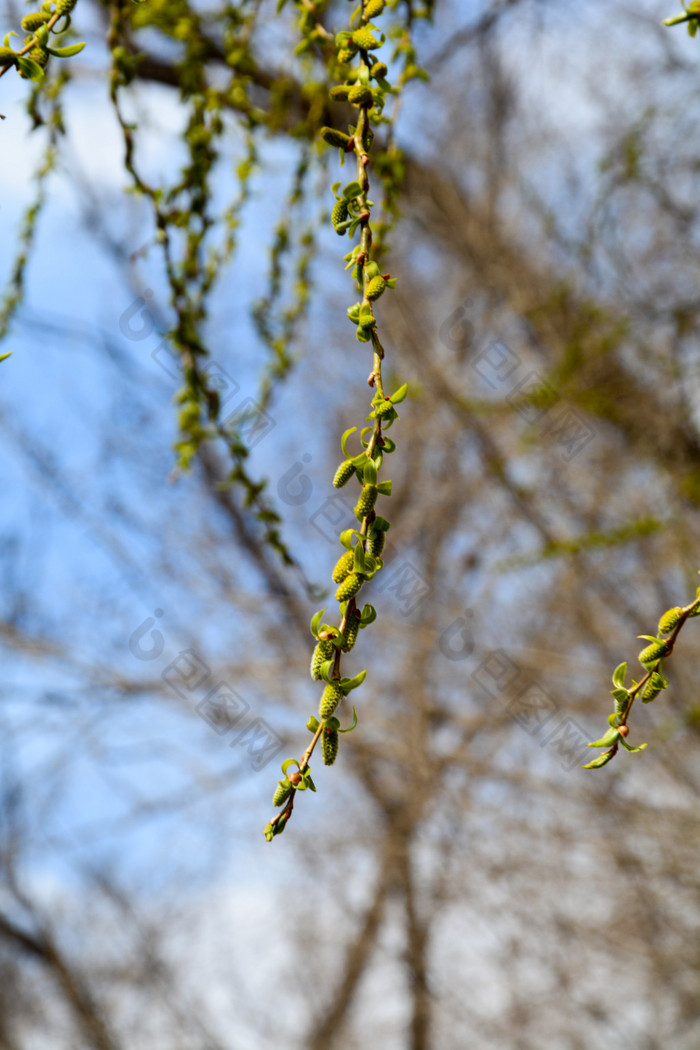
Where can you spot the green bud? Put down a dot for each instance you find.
(365, 504)
(363, 39)
(40, 56)
(375, 544)
(360, 95)
(339, 93)
(323, 651)
(354, 313)
(339, 215)
(363, 333)
(35, 20)
(378, 71)
(335, 138)
(375, 288)
(346, 54)
(654, 686)
(350, 633)
(343, 567)
(284, 790)
(348, 588)
(653, 653)
(332, 695)
(329, 745)
(343, 474)
(670, 619)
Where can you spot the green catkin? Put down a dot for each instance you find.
(343, 474)
(335, 138)
(670, 619)
(364, 39)
(331, 697)
(653, 653)
(339, 215)
(339, 93)
(346, 54)
(34, 21)
(360, 95)
(343, 566)
(378, 71)
(383, 408)
(284, 790)
(324, 651)
(348, 588)
(329, 746)
(375, 288)
(365, 504)
(653, 687)
(40, 56)
(375, 543)
(374, 8)
(350, 633)
(64, 7)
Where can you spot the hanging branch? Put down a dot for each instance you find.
(366, 88)
(661, 644)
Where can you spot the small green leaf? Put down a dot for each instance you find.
(620, 694)
(384, 488)
(326, 669)
(601, 760)
(316, 620)
(628, 747)
(344, 438)
(354, 722)
(31, 69)
(289, 762)
(369, 615)
(353, 189)
(359, 563)
(619, 673)
(4, 357)
(348, 684)
(611, 737)
(66, 52)
(313, 724)
(400, 395)
(346, 539)
(369, 473)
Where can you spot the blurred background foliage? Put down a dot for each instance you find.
(457, 879)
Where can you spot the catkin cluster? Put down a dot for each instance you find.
(32, 58)
(650, 685)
